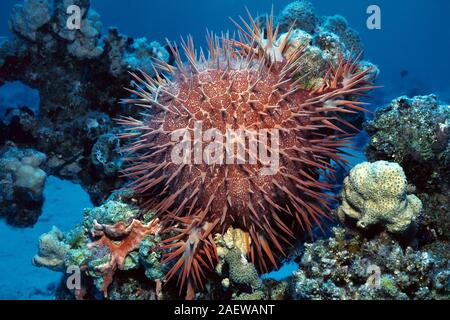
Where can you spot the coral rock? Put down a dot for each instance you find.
(232, 238)
(22, 182)
(241, 271)
(344, 267)
(300, 14)
(28, 17)
(414, 132)
(52, 250)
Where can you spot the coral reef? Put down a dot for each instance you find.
(376, 194)
(349, 265)
(80, 75)
(356, 268)
(414, 132)
(326, 37)
(435, 223)
(239, 271)
(22, 181)
(142, 53)
(28, 17)
(110, 240)
(216, 229)
(106, 156)
(250, 84)
(337, 26)
(119, 240)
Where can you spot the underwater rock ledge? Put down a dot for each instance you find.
(80, 75)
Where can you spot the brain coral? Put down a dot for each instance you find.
(252, 84)
(375, 193)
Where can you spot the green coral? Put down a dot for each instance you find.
(76, 237)
(257, 295)
(77, 257)
(389, 288)
(109, 213)
(131, 261)
(241, 271)
(151, 257)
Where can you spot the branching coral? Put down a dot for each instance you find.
(249, 83)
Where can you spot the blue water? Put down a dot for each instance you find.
(19, 279)
(16, 94)
(414, 37)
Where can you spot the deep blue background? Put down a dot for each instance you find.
(415, 34)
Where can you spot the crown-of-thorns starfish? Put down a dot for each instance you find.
(246, 82)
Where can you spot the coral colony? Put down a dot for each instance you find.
(223, 163)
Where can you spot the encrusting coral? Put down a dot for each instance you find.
(376, 194)
(239, 276)
(241, 273)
